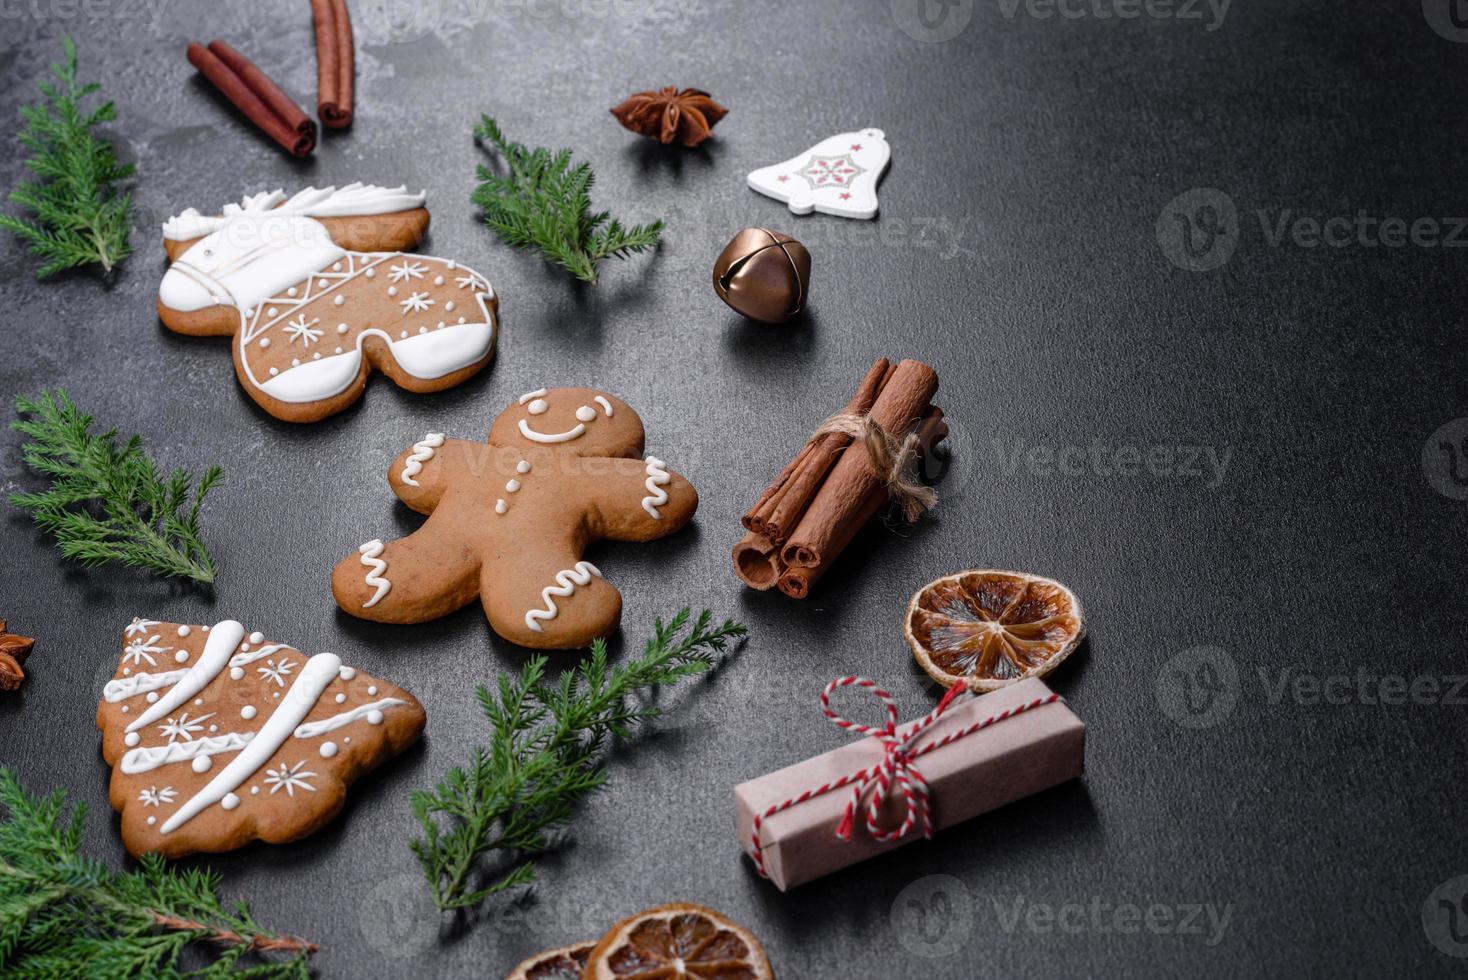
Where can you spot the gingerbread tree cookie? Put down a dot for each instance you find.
(510, 521)
(218, 737)
(315, 294)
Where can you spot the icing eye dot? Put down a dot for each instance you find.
(586, 413)
(537, 407)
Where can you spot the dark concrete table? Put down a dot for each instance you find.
(1192, 287)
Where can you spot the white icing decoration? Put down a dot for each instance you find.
(236, 673)
(657, 478)
(537, 393)
(500, 506)
(566, 583)
(153, 796)
(314, 728)
(181, 657)
(131, 687)
(327, 202)
(289, 778)
(407, 270)
(222, 641)
(202, 763)
(585, 413)
(183, 727)
(257, 638)
(139, 650)
(348, 673)
(374, 717)
(341, 699)
(538, 407)
(523, 466)
(319, 671)
(264, 342)
(372, 690)
(148, 759)
(606, 406)
(276, 672)
(370, 552)
(248, 657)
(512, 486)
(248, 711)
(230, 801)
(184, 631)
(139, 626)
(152, 821)
(152, 697)
(416, 303)
(567, 436)
(300, 329)
(328, 749)
(254, 791)
(422, 453)
(131, 739)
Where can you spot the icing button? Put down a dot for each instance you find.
(370, 273)
(264, 341)
(500, 506)
(341, 328)
(512, 486)
(523, 466)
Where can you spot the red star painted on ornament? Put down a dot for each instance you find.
(856, 146)
(782, 178)
(845, 197)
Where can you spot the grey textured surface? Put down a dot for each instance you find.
(1017, 251)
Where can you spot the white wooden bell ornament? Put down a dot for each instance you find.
(837, 176)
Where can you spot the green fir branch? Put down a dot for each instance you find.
(64, 915)
(544, 203)
(544, 757)
(77, 216)
(109, 502)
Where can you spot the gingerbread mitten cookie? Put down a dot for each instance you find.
(218, 737)
(315, 294)
(509, 521)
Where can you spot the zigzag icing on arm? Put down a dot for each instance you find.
(372, 712)
(319, 671)
(566, 583)
(657, 478)
(224, 638)
(130, 687)
(148, 759)
(370, 552)
(422, 453)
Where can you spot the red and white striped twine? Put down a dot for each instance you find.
(896, 765)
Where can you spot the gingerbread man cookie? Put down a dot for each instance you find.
(510, 521)
(218, 736)
(315, 295)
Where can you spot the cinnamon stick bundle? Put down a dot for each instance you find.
(253, 93)
(335, 63)
(809, 514)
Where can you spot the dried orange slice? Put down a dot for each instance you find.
(678, 942)
(990, 628)
(566, 963)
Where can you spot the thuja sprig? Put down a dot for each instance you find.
(544, 757)
(63, 914)
(109, 502)
(544, 203)
(79, 217)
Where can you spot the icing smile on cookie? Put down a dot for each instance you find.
(537, 405)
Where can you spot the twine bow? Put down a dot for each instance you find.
(892, 459)
(897, 766)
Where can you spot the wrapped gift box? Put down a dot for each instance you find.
(1040, 746)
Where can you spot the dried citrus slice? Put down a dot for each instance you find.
(990, 628)
(678, 942)
(566, 963)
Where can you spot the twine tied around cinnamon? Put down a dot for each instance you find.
(893, 459)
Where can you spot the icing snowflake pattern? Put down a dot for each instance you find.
(140, 626)
(418, 301)
(140, 650)
(408, 270)
(830, 171)
(153, 796)
(289, 778)
(276, 672)
(183, 727)
(299, 329)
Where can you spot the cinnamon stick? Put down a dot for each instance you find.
(335, 63)
(253, 93)
(796, 581)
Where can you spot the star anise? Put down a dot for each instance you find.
(688, 116)
(13, 653)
